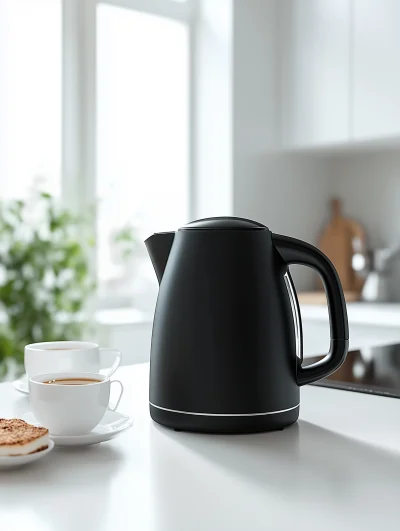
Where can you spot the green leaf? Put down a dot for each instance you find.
(30, 304)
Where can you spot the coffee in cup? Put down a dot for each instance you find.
(71, 403)
(71, 381)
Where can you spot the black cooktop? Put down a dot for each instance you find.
(374, 370)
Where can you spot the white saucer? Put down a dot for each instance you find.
(19, 460)
(22, 385)
(111, 425)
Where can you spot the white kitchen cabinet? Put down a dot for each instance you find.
(315, 67)
(376, 68)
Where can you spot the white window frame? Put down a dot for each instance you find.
(79, 96)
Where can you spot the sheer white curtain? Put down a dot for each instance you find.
(142, 135)
(137, 60)
(30, 96)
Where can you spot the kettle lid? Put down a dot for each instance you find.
(224, 223)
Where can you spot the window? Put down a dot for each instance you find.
(142, 136)
(30, 101)
(94, 104)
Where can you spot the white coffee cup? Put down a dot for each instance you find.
(71, 408)
(67, 356)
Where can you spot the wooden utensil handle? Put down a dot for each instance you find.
(336, 208)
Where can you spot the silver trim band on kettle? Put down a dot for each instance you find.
(225, 414)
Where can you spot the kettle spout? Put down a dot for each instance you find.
(158, 246)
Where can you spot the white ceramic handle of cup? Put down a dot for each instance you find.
(120, 394)
(110, 371)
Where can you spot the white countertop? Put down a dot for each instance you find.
(384, 314)
(338, 468)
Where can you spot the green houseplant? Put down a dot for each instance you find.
(44, 274)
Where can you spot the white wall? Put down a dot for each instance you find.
(239, 168)
(287, 193)
(290, 195)
(369, 185)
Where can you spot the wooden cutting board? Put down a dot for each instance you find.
(337, 243)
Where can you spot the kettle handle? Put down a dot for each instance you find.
(295, 251)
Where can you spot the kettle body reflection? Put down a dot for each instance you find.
(226, 350)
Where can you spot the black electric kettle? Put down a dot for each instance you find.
(226, 350)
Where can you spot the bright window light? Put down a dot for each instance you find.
(30, 102)
(142, 130)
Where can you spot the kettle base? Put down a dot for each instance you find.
(224, 424)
